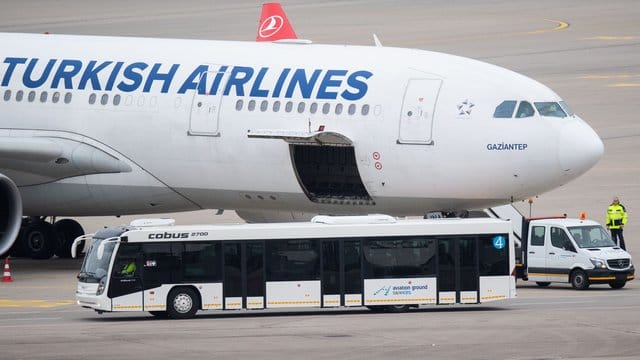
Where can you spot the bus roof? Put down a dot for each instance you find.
(305, 230)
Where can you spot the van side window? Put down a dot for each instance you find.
(537, 236)
(560, 239)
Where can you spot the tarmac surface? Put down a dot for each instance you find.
(587, 51)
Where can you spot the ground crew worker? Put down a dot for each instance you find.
(129, 269)
(616, 219)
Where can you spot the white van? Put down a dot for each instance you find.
(572, 250)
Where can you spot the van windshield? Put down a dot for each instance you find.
(590, 236)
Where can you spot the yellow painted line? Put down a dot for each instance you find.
(548, 275)
(4, 303)
(402, 300)
(560, 25)
(125, 307)
(495, 297)
(616, 76)
(624, 85)
(600, 278)
(631, 277)
(293, 302)
(468, 298)
(611, 38)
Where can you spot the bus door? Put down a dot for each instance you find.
(244, 281)
(125, 288)
(457, 270)
(341, 273)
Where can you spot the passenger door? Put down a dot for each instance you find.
(125, 288)
(207, 101)
(537, 254)
(244, 281)
(561, 254)
(457, 269)
(418, 109)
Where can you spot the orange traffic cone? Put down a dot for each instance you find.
(6, 277)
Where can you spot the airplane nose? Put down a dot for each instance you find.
(580, 148)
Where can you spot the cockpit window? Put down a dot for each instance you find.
(566, 108)
(550, 109)
(525, 110)
(505, 109)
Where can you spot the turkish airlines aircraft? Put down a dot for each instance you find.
(95, 125)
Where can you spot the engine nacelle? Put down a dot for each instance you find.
(10, 213)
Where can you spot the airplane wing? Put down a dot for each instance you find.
(38, 160)
(274, 24)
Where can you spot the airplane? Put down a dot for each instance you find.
(275, 129)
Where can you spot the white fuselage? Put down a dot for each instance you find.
(161, 137)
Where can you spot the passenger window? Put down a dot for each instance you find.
(338, 109)
(7, 95)
(313, 108)
(352, 109)
(43, 96)
(276, 106)
(537, 236)
(505, 109)
(19, 95)
(560, 239)
(55, 97)
(239, 104)
(365, 109)
(92, 99)
(252, 105)
(301, 107)
(288, 107)
(32, 96)
(104, 99)
(525, 110)
(116, 100)
(326, 108)
(264, 105)
(67, 98)
(552, 109)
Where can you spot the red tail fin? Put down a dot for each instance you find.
(274, 24)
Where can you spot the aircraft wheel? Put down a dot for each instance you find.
(67, 230)
(39, 240)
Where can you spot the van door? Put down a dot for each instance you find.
(536, 254)
(561, 254)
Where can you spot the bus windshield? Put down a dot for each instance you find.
(96, 263)
(590, 236)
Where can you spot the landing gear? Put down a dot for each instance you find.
(40, 239)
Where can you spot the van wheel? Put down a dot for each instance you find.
(182, 303)
(618, 284)
(579, 280)
(543, 283)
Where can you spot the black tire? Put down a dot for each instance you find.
(182, 303)
(39, 240)
(396, 308)
(579, 280)
(618, 284)
(543, 283)
(376, 309)
(67, 230)
(159, 314)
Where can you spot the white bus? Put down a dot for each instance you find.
(374, 261)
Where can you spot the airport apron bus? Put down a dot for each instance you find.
(377, 261)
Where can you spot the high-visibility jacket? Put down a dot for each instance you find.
(616, 216)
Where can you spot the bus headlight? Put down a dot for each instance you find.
(598, 263)
(100, 289)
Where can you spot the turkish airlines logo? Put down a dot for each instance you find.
(270, 26)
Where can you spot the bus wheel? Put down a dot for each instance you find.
(579, 280)
(396, 308)
(376, 309)
(182, 304)
(543, 283)
(159, 314)
(617, 284)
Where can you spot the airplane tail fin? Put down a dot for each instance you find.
(274, 24)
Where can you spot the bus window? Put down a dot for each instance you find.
(525, 110)
(201, 262)
(126, 263)
(232, 270)
(400, 257)
(494, 258)
(352, 268)
(505, 109)
(158, 264)
(292, 260)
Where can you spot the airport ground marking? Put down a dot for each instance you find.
(560, 25)
(6, 303)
